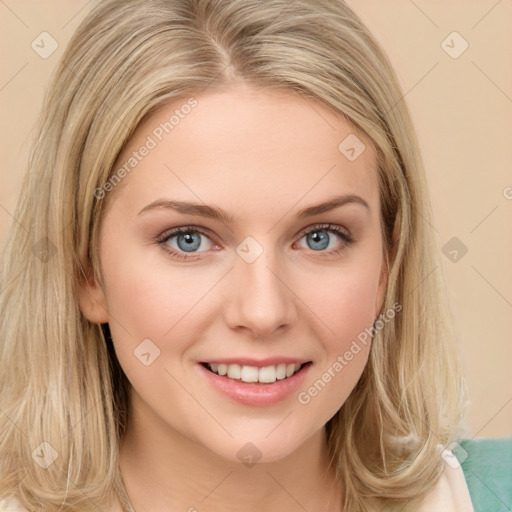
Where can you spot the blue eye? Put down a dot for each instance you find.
(319, 238)
(188, 240)
(187, 243)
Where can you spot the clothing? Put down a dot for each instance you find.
(487, 466)
(483, 478)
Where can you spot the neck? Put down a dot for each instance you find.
(164, 470)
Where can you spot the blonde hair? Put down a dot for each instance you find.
(61, 382)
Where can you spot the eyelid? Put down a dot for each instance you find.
(342, 232)
(168, 233)
(191, 228)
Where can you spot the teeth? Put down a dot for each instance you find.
(281, 371)
(234, 371)
(290, 369)
(249, 374)
(267, 374)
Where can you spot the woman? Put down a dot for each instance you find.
(226, 288)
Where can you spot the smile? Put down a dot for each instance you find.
(263, 375)
(255, 382)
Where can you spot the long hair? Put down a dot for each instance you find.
(64, 397)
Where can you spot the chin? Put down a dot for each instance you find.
(259, 448)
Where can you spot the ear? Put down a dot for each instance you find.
(92, 299)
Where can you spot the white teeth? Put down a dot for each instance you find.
(281, 371)
(267, 374)
(234, 371)
(249, 374)
(290, 368)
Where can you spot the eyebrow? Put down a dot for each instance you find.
(217, 213)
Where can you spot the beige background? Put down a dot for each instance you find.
(462, 108)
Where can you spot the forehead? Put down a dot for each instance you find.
(247, 145)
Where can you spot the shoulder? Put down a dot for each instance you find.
(11, 505)
(487, 466)
(450, 494)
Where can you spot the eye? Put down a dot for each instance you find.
(184, 242)
(326, 238)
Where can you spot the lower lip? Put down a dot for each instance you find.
(255, 393)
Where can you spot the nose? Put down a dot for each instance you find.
(260, 299)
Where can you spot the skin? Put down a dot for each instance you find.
(262, 155)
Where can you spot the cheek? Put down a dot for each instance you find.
(150, 298)
(151, 303)
(344, 299)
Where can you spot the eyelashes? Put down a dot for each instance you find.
(192, 234)
(186, 230)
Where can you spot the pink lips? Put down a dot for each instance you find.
(255, 393)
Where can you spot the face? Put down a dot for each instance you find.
(211, 252)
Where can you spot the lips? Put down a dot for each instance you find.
(257, 385)
(259, 363)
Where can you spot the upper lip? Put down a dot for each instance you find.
(259, 363)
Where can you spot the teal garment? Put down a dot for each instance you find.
(487, 467)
